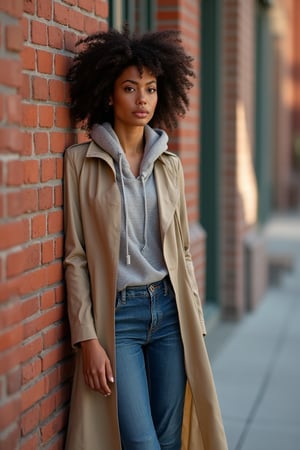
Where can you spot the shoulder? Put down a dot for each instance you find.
(77, 150)
(75, 155)
(171, 161)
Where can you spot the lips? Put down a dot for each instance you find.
(141, 113)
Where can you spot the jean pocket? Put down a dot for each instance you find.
(119, 302)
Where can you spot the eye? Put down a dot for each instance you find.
(152, 90)
(128, 89)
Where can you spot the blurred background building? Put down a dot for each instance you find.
(240, 147)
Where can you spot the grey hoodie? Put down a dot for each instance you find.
(141, 259)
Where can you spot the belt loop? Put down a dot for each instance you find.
(165, 286)
(123, 296)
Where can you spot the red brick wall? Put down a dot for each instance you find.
(36, 39)
(185, 16)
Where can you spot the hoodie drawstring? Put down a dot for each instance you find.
(145, 212)
(128, 257)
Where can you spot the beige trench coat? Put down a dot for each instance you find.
(92, 226)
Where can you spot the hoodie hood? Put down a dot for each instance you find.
(156, 142)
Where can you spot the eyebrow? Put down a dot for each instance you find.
(136, 82)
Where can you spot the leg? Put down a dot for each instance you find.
(166, 373)
(136, 425)
(135, 420)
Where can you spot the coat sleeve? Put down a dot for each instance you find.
(75, 262)
(185, 234)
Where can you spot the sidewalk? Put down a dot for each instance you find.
(256, 362)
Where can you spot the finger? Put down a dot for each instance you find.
(109, 372)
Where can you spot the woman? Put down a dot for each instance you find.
(142, 379)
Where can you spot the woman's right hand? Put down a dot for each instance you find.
(97, 369)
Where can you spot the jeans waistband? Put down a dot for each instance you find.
(163, 284)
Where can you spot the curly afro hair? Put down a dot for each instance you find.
(103, 58)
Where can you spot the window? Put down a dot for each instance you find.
(139, 14)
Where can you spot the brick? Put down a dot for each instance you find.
(40, 88)
(101, 9)
(14, 38)
(52, 427)
(52, 379)
(48, 169)
(38, 226)
(25, 29)
(10, 438)
(59, 293)
(88, 5)
(54, 273)
(45, 195)
(11, 337)
(13, 109)
(38, 33)
(70, 39)
(62, 117)
(55, 222)
(29, 6)
(57, 142)
(62, 64)
(91, 25)
(15, 173)
(25, 86)
(57, 91)
(14, 233)
(76, 20)
(48, 406)
(31, 282)
(46, 116)
(55, 37)
(15, 207)
(2, 213)
(30, 349)
(29, 307)
(41, 143)
(41, 321)
(44, 61)
(51, 357)
(47, 300)
(47, 251)
(33, 394)
(30, 442)
(31, 170)
(59, 247)
(30, 420)
(61, 14)
(13, 381)
(27, 143)
(10, 139)
(54, 334)
(2, 98)
(23, 260)
(29, 115)
(59, 168)
(31, 370)
(30, 200)
(10, 359)
(10, 314)
(9, 413)
(44, 9)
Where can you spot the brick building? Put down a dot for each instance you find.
(239, 145)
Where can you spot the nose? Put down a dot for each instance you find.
(141, 98)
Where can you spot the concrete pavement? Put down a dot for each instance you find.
(256, 362)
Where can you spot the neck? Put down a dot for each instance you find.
(131, 140)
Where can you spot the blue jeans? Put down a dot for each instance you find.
(150, 368)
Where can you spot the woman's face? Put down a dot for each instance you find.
(134, 97)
